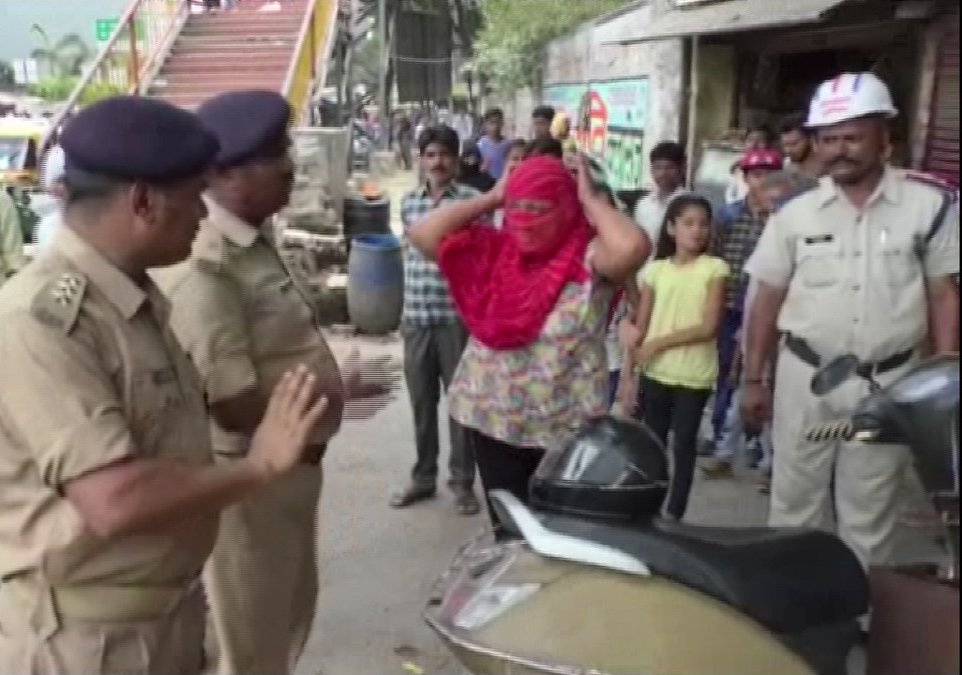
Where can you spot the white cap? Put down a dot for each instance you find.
(848, 97)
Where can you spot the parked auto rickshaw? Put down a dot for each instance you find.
(20, 165)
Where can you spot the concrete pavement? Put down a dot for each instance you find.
(377, 564)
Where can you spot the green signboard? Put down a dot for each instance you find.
(104, 28)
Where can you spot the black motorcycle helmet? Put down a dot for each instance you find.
(613, 469)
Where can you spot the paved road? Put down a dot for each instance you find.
(377, 564)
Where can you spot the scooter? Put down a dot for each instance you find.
(570, 595)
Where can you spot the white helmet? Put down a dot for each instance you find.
(848, 97)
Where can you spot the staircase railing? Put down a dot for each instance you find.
(309, 64)
(143, 35)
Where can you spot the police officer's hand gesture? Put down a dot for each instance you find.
(292, 413)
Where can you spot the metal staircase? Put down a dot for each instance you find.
(165, 49)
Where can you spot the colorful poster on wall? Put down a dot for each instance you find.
(565, 98)
(610, 119)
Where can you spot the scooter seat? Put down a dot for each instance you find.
(788, 580)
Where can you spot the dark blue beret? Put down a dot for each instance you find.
(245, 123)
(138, 138)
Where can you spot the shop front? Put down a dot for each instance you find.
(941, 138)
(753, 62)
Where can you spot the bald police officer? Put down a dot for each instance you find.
(862, 264)
(108, 494)
(245, 319)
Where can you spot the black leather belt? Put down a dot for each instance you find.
(800, 348)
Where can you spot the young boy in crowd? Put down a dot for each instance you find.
(772, 190)
(493, 145)
(541, 120)
(739, 227)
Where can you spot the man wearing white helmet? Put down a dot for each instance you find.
(861, 264)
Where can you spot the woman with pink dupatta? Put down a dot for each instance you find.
(535, 296)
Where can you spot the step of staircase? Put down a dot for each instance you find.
(243, 29)
(202, 85)
(206, 64)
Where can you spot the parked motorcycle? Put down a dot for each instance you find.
(588, 580)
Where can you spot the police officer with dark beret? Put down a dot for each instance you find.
(245, 319)
(111, 498)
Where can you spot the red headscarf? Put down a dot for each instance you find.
(505, 283)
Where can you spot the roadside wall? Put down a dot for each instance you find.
(626, 98)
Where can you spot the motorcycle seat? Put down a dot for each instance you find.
(788, 580)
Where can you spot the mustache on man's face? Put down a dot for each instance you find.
(842, 161)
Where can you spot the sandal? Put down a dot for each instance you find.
(412, 494)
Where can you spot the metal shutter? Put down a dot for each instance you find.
(942, 151)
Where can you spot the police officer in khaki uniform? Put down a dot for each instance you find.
(862, 264)
(108, 493)
(245, 319)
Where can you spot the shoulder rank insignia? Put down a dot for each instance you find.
(932, 181)
(58, 302)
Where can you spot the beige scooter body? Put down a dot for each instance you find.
(504, 609)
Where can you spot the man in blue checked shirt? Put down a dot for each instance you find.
(434, 336)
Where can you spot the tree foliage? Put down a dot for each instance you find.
(510, 47)
(64, 58)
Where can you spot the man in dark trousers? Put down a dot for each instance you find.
(434, 336)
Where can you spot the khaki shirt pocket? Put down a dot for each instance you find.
(820, 262)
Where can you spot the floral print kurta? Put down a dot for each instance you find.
(536, 396)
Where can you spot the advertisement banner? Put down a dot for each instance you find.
(609, 120)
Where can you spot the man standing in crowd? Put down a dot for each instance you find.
(11, 237)
(244, 319)
(493, 145)
(110, 496)
(739, 228)
(758, 137)
(434, 336)
(798, 145)
(863, 264)
(541, 120)
(668, 163)
(776, 189)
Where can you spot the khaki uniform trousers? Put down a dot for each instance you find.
(261, 580)
(100, 631)
(868, 479)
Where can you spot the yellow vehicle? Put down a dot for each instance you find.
(20, 152)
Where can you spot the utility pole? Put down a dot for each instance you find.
(383, 93)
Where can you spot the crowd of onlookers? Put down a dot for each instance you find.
(567, 299)
(672, 381)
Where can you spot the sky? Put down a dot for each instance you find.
(57, 17)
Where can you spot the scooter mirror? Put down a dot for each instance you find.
(834, 373)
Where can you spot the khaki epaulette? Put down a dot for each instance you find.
(58, 303)
(211, 252)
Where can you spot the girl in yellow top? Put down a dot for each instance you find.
(673, 341)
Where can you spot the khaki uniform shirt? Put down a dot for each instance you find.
(856, 279)
(89, 379)
(11, 238)
(245, 320)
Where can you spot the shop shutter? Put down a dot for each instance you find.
(942, 151)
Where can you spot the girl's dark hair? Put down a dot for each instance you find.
(443, 135)
(666, 243)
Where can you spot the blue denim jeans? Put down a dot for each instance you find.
(731, 323)
(733, 438)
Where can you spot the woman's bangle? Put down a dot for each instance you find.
(755, 380)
